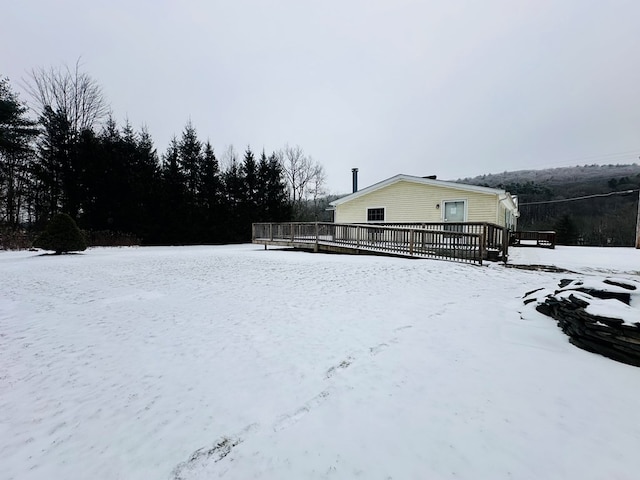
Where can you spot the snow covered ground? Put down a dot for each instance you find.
(234, 362)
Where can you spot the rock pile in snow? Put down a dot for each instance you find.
(598, 315)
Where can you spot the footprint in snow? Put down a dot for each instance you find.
(382, 346)
(342, 365)
(213, 453)
(378, 348)
(290, 419)
(404, 327)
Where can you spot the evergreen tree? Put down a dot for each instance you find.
(234, 194)
(128, 209)
(95, 194)
(190, 160)
(16, 130)
(115, 189)
(211, 197)
(147, 188)
(120, 180)
(62, 235)
(566, 231)
(249, 209)
(16, 134)
(173, 196)
(263, 176)
(54, 168)
(276, 206)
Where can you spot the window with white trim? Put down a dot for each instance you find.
(375, 214)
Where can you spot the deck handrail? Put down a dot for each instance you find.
(544, 239)
(444, 242)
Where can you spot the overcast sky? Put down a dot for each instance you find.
(454, 88)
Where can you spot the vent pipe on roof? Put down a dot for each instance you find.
(354, 177)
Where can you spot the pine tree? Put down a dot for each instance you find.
(566, 231)
(16, 130)
(173, 196)
(190, 162)
(276, 206)
(62, 235)
(16, 134)
(115, 189)
(95, 193)
(190, 159)
(234, 194)
(53, 171)
(147, 188)
(211, 196)
(262, 194)
(249, 210)
(127, 208)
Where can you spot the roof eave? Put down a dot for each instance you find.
(420, 180)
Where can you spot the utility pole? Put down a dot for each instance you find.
(638, 224)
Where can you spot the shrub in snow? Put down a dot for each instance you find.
(61, 235)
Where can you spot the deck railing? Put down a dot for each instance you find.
(528, 238)
(496, 240)
(451, 241)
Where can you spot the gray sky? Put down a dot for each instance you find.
(449, 87)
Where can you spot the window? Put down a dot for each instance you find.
(375, 214)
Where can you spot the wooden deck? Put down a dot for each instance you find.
(462, 242)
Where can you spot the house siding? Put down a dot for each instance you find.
(407, 202)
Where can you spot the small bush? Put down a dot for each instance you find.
(11, 239)
(62, 235)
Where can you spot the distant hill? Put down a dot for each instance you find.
(603, 221)
(590, 174)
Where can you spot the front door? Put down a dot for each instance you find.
(454, 214)
(454, 211)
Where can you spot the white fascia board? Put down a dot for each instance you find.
(509, 202)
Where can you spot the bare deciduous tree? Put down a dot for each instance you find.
(71, 93)
(68, 102)
(304, 175)
(229, 158)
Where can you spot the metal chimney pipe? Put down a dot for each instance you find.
(354, 176)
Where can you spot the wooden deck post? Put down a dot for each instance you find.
(505, 244)
(271, 231)
(483, 242)
(315, 249)
(412, 240)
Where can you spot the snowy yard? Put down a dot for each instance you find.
(234, 362)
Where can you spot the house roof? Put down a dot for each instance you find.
(503, 195)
